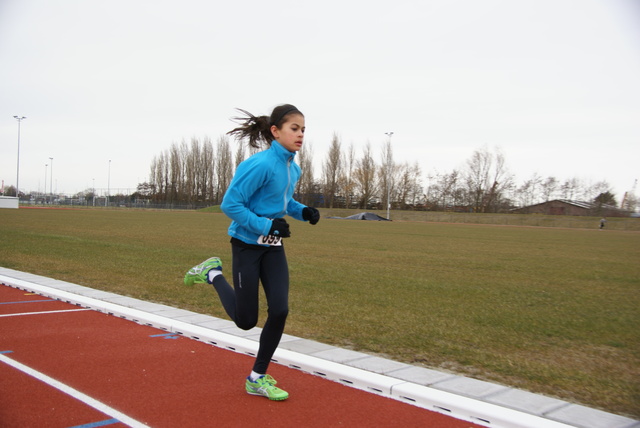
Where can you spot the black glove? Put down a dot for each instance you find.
(311, 214)
(280, 227)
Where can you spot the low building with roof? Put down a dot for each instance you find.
(570, 207)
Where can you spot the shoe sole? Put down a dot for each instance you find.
(266, 396)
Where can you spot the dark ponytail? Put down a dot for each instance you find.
(257, 129)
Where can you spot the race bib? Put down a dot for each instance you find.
(274, 241)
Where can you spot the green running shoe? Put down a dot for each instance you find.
(266, 386)
(198, 274)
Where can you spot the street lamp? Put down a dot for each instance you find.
(19, 119)
(45, 184)
(389, 134)
(51, 184)
(106, 202)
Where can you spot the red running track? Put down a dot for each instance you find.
(159, 379)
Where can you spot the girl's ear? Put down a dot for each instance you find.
(275, 132)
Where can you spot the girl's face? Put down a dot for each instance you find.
(291, 134)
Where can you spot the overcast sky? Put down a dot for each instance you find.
(554, 84)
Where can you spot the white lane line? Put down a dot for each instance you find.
(44, 312)
(73, 393)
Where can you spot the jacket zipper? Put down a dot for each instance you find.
(288, 183)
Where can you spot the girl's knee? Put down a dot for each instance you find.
(246, 324)
(279, 314)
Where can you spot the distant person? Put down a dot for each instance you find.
(603, 220)
(259, 196)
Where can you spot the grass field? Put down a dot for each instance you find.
(553, 310)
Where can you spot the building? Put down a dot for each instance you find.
(569, 207)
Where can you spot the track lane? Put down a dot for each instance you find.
(165, 380)
(34, 402)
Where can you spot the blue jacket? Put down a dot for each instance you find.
(260, 191)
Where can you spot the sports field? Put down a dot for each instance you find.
(548, 309)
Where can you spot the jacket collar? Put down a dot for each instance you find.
(281, 152)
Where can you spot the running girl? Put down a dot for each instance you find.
(259, 196)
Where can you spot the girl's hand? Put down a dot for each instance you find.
(280, 227)
(311, 214)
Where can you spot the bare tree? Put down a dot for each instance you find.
(477, 176)
(598, 190)
(444, 188)
(206, 171)
(387, 171)
(331, 170)
(240, 153)
(630, 199)
(502, 181)
(403, 185)
(418, 196)
(191, 169)
(223, 168)
(571, 188)
(306, 185)
(176, 173)
(549, 187)
(166, 176)
(528, 192)
(156, 177)
(409, 186)
(486, 178)
(365, 174)
(347, 183)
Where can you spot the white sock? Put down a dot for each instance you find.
(212, 274)
(253, 376)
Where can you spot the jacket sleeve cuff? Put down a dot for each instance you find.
(267, 227)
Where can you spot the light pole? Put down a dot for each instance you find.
(389, 134)
(106, 202)
(45, 184)
(94, 192)
(19, 119)
(51, 184)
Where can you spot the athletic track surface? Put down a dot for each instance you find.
(158, 379)
(66, 365)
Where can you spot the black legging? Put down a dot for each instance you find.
(253, 264)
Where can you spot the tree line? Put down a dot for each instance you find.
(198, 173)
